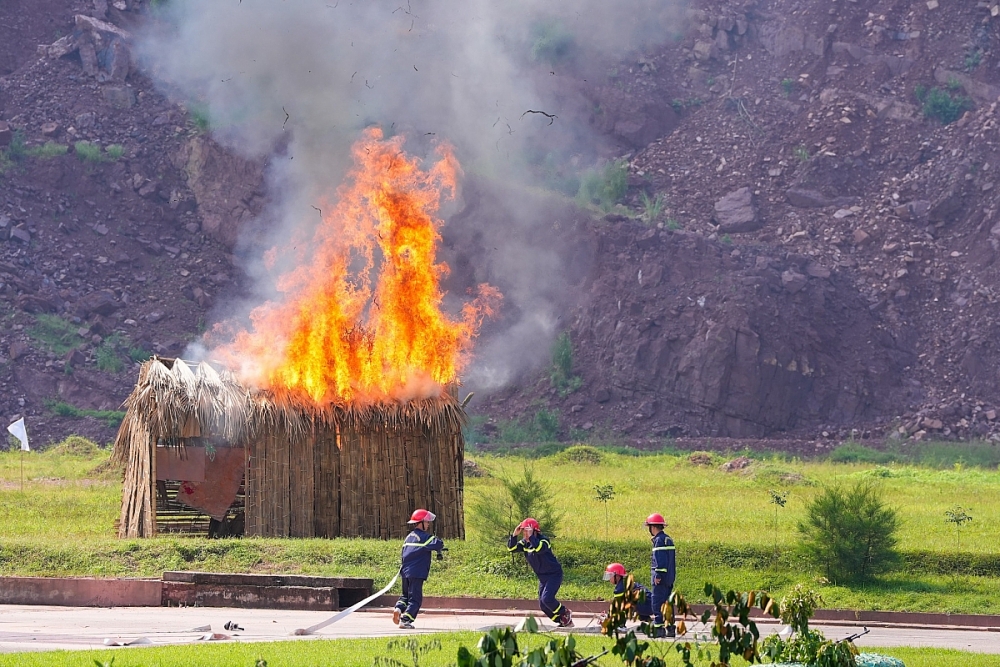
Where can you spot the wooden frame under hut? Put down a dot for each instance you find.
(200, 451)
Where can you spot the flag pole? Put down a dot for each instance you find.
(22, 470)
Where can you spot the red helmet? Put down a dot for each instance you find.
(422, 515)
(529, 523)
(655, 519)
(614, 568)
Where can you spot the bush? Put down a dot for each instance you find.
(76, 445)
(49, 149)
(115, 151)
(562, 366)
(851, 533)
(581, 454)
(604, 187)
(88, 152)
(113, 418)
(942, 106)
(851, 452)
(58, 335)
(108, 359)
(494, 513)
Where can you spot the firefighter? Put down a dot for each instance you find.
(538, 553)
(616, 574)
(417, 548)
(664, 571)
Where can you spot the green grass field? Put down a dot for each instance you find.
(722, 522)
(361, 653)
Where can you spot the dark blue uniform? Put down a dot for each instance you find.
(417, 548)
(538, 553)
(664, 571)
(645, 608)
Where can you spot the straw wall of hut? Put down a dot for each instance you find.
(351, 471)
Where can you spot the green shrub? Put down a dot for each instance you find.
(787, 86)
(76, 445)
(199, 116)
(115, 151)
(551, 43)
(14, 153)
(581, 454)
(562, 377)
(49, 149)
(851, 452)
(55, 333)
(113, 418)
(604, 187)
(942, 106)
(652, 207)
(88, 152)
(851, 533)
(139, 355)
(494, 513)
(107, 356)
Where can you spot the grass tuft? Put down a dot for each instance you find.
(55, 333)
(48, 150)
(88, 152)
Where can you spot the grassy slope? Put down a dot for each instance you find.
(722, 522)
(360, 653)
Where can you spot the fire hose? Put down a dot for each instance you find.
(354, 607)
(346, 612)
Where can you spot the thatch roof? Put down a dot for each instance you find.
(172, 401)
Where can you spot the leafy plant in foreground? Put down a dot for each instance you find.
(414, 647)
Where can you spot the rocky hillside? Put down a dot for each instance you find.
(807, 244)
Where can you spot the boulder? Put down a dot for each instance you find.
(120, 97)
(793, 281)
(19, 349)
(101, 302)
(804, 198)
(736, 213)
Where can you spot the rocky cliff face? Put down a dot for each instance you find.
(824, 259)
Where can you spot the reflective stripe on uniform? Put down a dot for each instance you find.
(538, 548)
(670, 548)
(419, 544)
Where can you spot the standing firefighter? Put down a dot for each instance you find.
(538, 553)
(616, 574)
(417, 548)
(664, 571)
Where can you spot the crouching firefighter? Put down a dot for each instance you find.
(538, 552)
(417, 548)
(664, 571)
(616, 574)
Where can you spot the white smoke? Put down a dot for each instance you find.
(298, 79)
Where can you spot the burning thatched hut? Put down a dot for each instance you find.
(196, 441)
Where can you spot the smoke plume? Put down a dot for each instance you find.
(298, 80)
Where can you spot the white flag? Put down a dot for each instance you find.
(18, 431)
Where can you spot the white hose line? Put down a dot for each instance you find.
(347, 612)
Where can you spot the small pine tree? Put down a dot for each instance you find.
(851, 533)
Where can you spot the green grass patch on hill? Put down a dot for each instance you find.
(362, 652)
(55, 333)
(113, 418)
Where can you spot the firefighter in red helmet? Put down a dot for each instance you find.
(617, 575)
(664, 572)
(416, 567)
(538, 552)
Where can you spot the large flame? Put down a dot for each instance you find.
(335, 337)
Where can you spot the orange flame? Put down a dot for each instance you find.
(335, 338)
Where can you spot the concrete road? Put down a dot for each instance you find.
(37, 628)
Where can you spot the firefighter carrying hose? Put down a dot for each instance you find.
(664, 571)
(416, 567)
(616, 574)
(538, 552)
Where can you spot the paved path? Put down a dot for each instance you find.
(36, 628)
